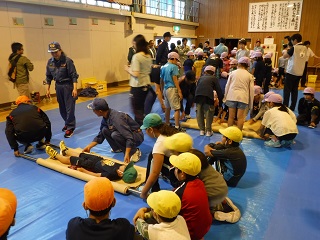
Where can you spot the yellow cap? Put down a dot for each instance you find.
(98, 194)
(233, 133)
(187, 162)
(180, 142)
(8, 206)
(165, 203)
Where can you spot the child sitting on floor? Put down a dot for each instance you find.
(94, 165)
(164, 209)
(230, 157)
(195, 207)
(99, 200)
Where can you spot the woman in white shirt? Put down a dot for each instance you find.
(139, 71)
(239, 92)
(158, 161)
(278, 124)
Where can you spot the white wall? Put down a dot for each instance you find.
(97, 50)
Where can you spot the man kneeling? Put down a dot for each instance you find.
(94, 165)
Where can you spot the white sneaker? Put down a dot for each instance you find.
(188, 116)
(209, 134)
(201, 133)
(231, 217)
(136, 156)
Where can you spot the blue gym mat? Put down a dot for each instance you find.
(277, 196)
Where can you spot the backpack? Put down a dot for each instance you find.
(12, 73)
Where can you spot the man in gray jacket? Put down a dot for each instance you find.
(24, 65)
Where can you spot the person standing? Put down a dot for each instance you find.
(62, 70)
(139, 71)
(258, 47)
(119, 129)
(221, 47)
(310, 53)
(163, 49)
(131, 52)
(24, 65)
(152, 51)
(297, 57)
(242, 51)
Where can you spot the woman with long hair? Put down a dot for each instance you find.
(139, 71)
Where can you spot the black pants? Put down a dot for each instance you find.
(304, 76)
(190, 101)
(291, 88)
(286, 137)
(164, 171)
(150, 99)
(30, 137)
(139, 95)
(305, 119)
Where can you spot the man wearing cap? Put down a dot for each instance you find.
(163, 49)
(119, 129)
(27, 124)
(61, 69)
(297, 57)
(164, 209)
(258, 47)
(24, 65)
(308, 109)
(172, 93)
(232, 162)
(99, 200)
(94, 165)
(8, 206)
(221, 48)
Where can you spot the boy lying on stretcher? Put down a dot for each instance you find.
(93, 165)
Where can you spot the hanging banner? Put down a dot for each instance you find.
(275, 16)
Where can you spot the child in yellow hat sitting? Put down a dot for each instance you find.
(164, 209)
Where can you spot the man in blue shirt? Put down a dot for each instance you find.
(119, 129)
(221, 47)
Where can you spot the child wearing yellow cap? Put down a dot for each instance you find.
(231, 158)
(8, 206)
(99, 200)
(194, 200)
(164, 209)
(94, 165)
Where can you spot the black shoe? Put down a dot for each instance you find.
(64, 129)
(28, 148)
(69, 133)
(41, 145)
(180, 129)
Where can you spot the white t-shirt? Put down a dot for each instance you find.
(240, 87)
(176, 230)
(160, 148)
(310, 53)
(140, 63)
(280, 123)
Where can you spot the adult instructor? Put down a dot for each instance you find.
(61, 69)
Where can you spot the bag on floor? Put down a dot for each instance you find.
(88, 92)
(12, 73)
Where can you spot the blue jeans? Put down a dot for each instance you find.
(207, 111)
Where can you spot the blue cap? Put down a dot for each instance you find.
(99, 104)
(54, 47)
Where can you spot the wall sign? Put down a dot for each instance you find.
(275, 16)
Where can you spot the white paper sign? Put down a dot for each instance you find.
(275, 16)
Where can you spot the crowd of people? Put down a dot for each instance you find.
(219, 82)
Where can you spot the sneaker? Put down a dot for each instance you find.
(136, 156)
(230, 212)
(51, 152)
(63, 148)
(64, 129)
(286, 143)
(180, 129)
(272, 143)
(116, 151)
(69, 133)
(201, 133)
(311, 126)
(209, 134)
(41, 145)
(188, 116)
(28, 148)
